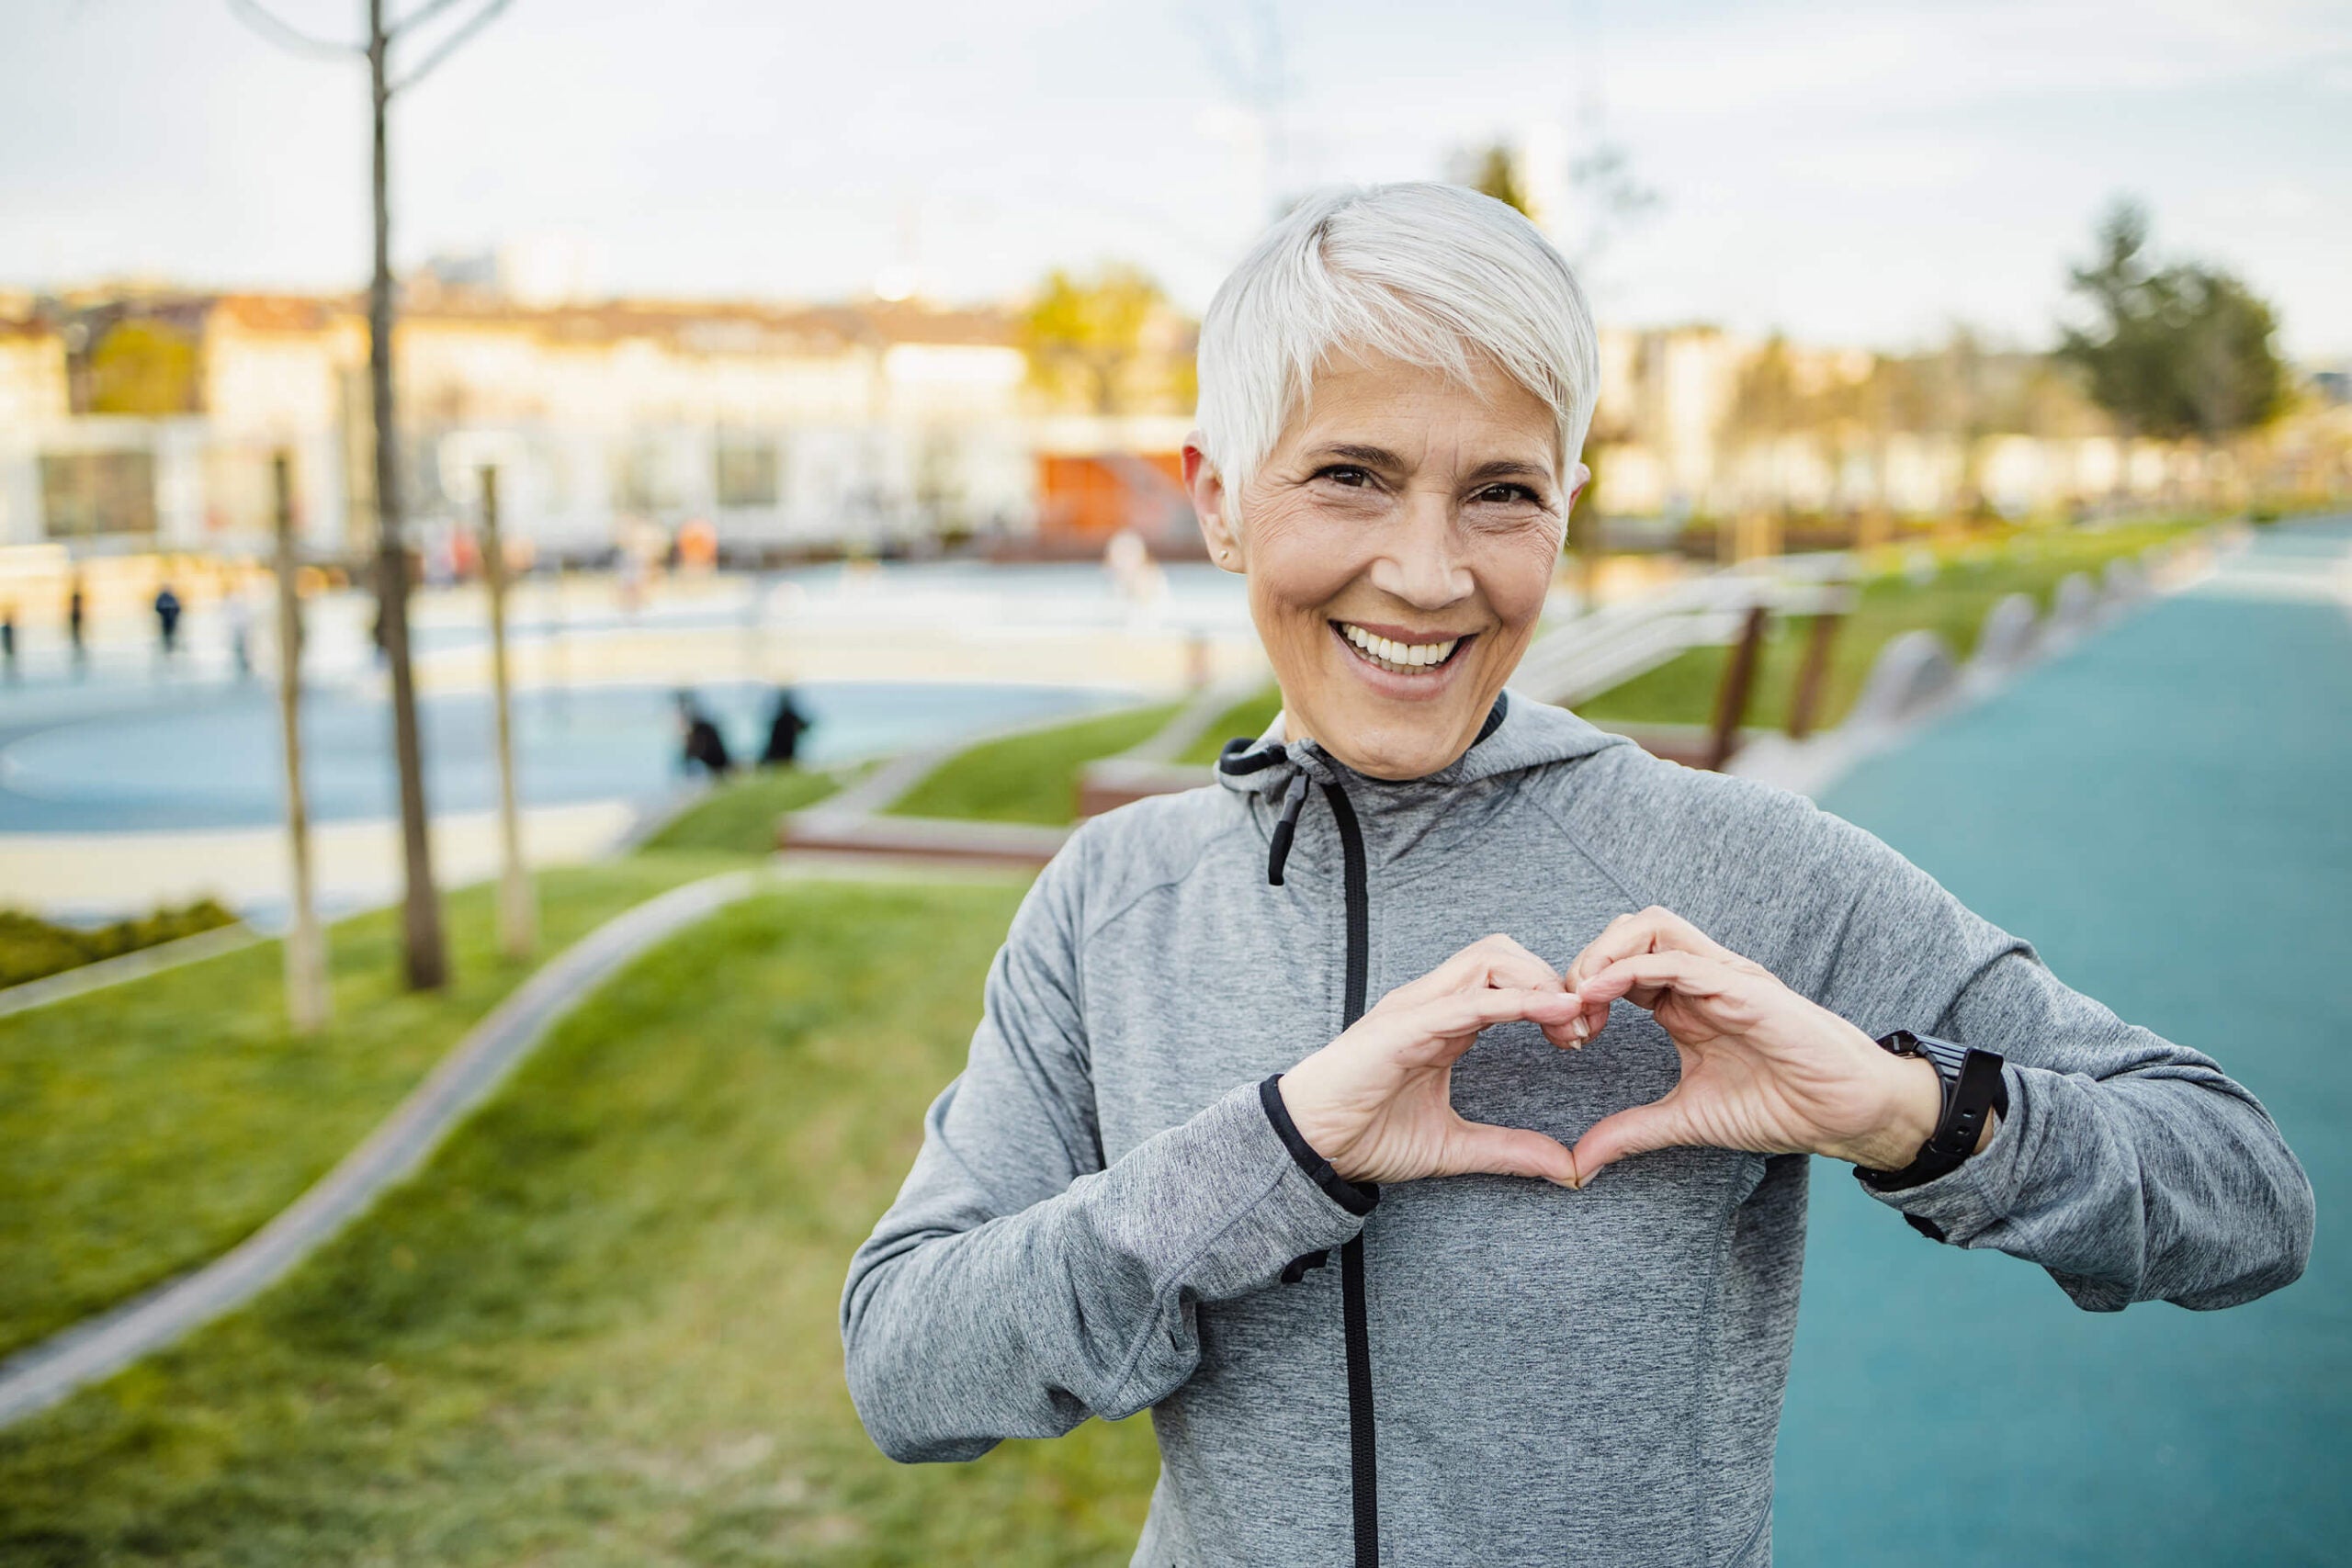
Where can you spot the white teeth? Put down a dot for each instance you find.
(1400, 656)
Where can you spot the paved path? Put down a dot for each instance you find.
(2166, 813)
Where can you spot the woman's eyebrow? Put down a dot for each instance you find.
(1355, 452)
(1506, 469)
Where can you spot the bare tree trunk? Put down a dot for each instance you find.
(427, 959)
(308, 999)
(518, 914)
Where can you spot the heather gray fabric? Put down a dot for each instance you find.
(1099, 1216)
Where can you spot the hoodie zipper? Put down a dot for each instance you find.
(1363, 1460)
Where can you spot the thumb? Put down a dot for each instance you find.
(1508, 1151)
(1637, 1130)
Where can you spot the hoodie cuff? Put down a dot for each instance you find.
(1356, 1197)
(1981, 1192)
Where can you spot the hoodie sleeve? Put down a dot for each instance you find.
(2130, 1168)
(1019, 1283)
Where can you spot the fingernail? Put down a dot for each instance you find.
(1579, 1029)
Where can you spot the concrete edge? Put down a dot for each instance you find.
(84, 978)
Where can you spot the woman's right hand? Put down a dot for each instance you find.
(1377, 1102)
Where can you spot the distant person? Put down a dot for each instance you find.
(701, 744)
(76, 608)
(167, 618)
(785, 724)
(241, 634)
(629, 580)
(9, 638)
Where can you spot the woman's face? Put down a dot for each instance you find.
(1399, 542)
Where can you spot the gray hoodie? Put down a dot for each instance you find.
(1105, 1217)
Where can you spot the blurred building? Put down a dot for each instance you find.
(33, 399)
(147, 418)
(152, 420)
(1694, 421)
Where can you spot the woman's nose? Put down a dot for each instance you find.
(1420, 559)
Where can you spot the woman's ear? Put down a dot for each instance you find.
(1212, 506)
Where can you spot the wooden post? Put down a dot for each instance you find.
(308, 1000)
(1815, 668)
(518, 913)
(1731, 698)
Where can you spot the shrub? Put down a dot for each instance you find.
(31, 947)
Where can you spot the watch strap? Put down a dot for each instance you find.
(1974, 1089)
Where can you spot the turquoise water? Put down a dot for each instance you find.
(2166, 814)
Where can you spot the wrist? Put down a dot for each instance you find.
(1297, 1090)
(1355, 1197)
(1912, 1104)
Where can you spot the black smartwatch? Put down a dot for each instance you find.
(1974, 1089)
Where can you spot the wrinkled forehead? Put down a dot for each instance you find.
(1466, 415)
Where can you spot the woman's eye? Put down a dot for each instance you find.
(1346, 474)
(1508, 495)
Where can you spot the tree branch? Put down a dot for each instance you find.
(418, 17)
(447, 46)
(286, 36)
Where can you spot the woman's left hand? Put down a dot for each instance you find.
(1763, 1069)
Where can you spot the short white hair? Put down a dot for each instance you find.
(1433, 275)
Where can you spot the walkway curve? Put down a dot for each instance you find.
(38, 1377)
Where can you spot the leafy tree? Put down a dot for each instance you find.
(1494, 172)
(1089, 341)
(2172, 352)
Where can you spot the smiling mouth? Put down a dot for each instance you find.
(1401, 657)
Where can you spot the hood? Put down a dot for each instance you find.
(1519, 733)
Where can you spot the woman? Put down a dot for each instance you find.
(1315, 1007)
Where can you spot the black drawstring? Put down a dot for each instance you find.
(1237, 759)
(1278, 853)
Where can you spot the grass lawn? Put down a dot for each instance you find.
(1031, 777)
(600, 1328)
(1248, 716)
(1682, 690)
(739, 817)
(147, 1127)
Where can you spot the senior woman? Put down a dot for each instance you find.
(1535, 1029)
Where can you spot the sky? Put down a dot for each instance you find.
(1848, 171)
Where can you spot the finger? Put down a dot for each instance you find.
(1448, 1023)
(1508, 1151)
(1635, 1131)
(1636, 931)
(1497, 960)
(1643, 976)
(1653, 929)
